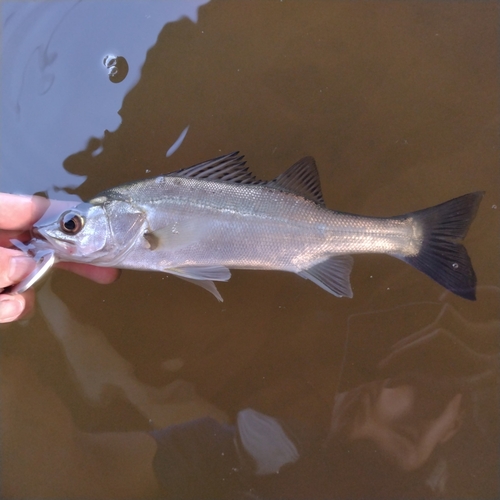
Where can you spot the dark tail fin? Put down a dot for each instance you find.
(441, 255)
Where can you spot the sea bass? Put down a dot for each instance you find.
(201, 221)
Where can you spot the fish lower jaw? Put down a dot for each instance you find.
(63, 250)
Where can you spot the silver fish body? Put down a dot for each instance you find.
(202, 221)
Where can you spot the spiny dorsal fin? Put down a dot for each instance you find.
(301, 178)
(228, 168)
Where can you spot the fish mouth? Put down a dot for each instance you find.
(35, 232)
(56, 244)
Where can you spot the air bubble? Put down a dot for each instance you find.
(454, 265)
(117, 68)
(109, 61)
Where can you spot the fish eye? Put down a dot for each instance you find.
(71, 223)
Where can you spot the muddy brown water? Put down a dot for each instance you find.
(397, 102)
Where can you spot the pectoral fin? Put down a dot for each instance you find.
(332, 275)
(176, 235)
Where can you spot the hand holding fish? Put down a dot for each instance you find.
(17, 215)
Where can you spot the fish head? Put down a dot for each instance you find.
(98, 234)
(77, 234)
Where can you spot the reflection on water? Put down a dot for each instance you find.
(393, 392)
(99, 370)
(432, 399)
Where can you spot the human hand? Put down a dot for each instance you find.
(17, 215)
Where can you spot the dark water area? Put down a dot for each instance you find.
(398, 104)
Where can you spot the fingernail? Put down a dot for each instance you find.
(20, 267)
(10, 309)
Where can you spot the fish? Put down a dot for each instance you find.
(201, 221)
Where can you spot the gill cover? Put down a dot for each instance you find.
(125, 225)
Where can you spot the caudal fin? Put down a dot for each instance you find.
(441, 256)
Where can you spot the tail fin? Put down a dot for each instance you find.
(441, 256)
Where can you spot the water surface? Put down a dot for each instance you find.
(397, 102)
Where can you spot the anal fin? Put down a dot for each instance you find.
(332, 275)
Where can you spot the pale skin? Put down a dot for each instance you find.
(45, 455)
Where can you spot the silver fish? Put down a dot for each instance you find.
(200, 222)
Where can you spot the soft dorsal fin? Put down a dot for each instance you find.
(301, 178)
(228, 168)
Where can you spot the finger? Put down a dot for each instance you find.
(14, 266)
(102, 275)
(14, 307)
(20, 212)
(6, 236)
